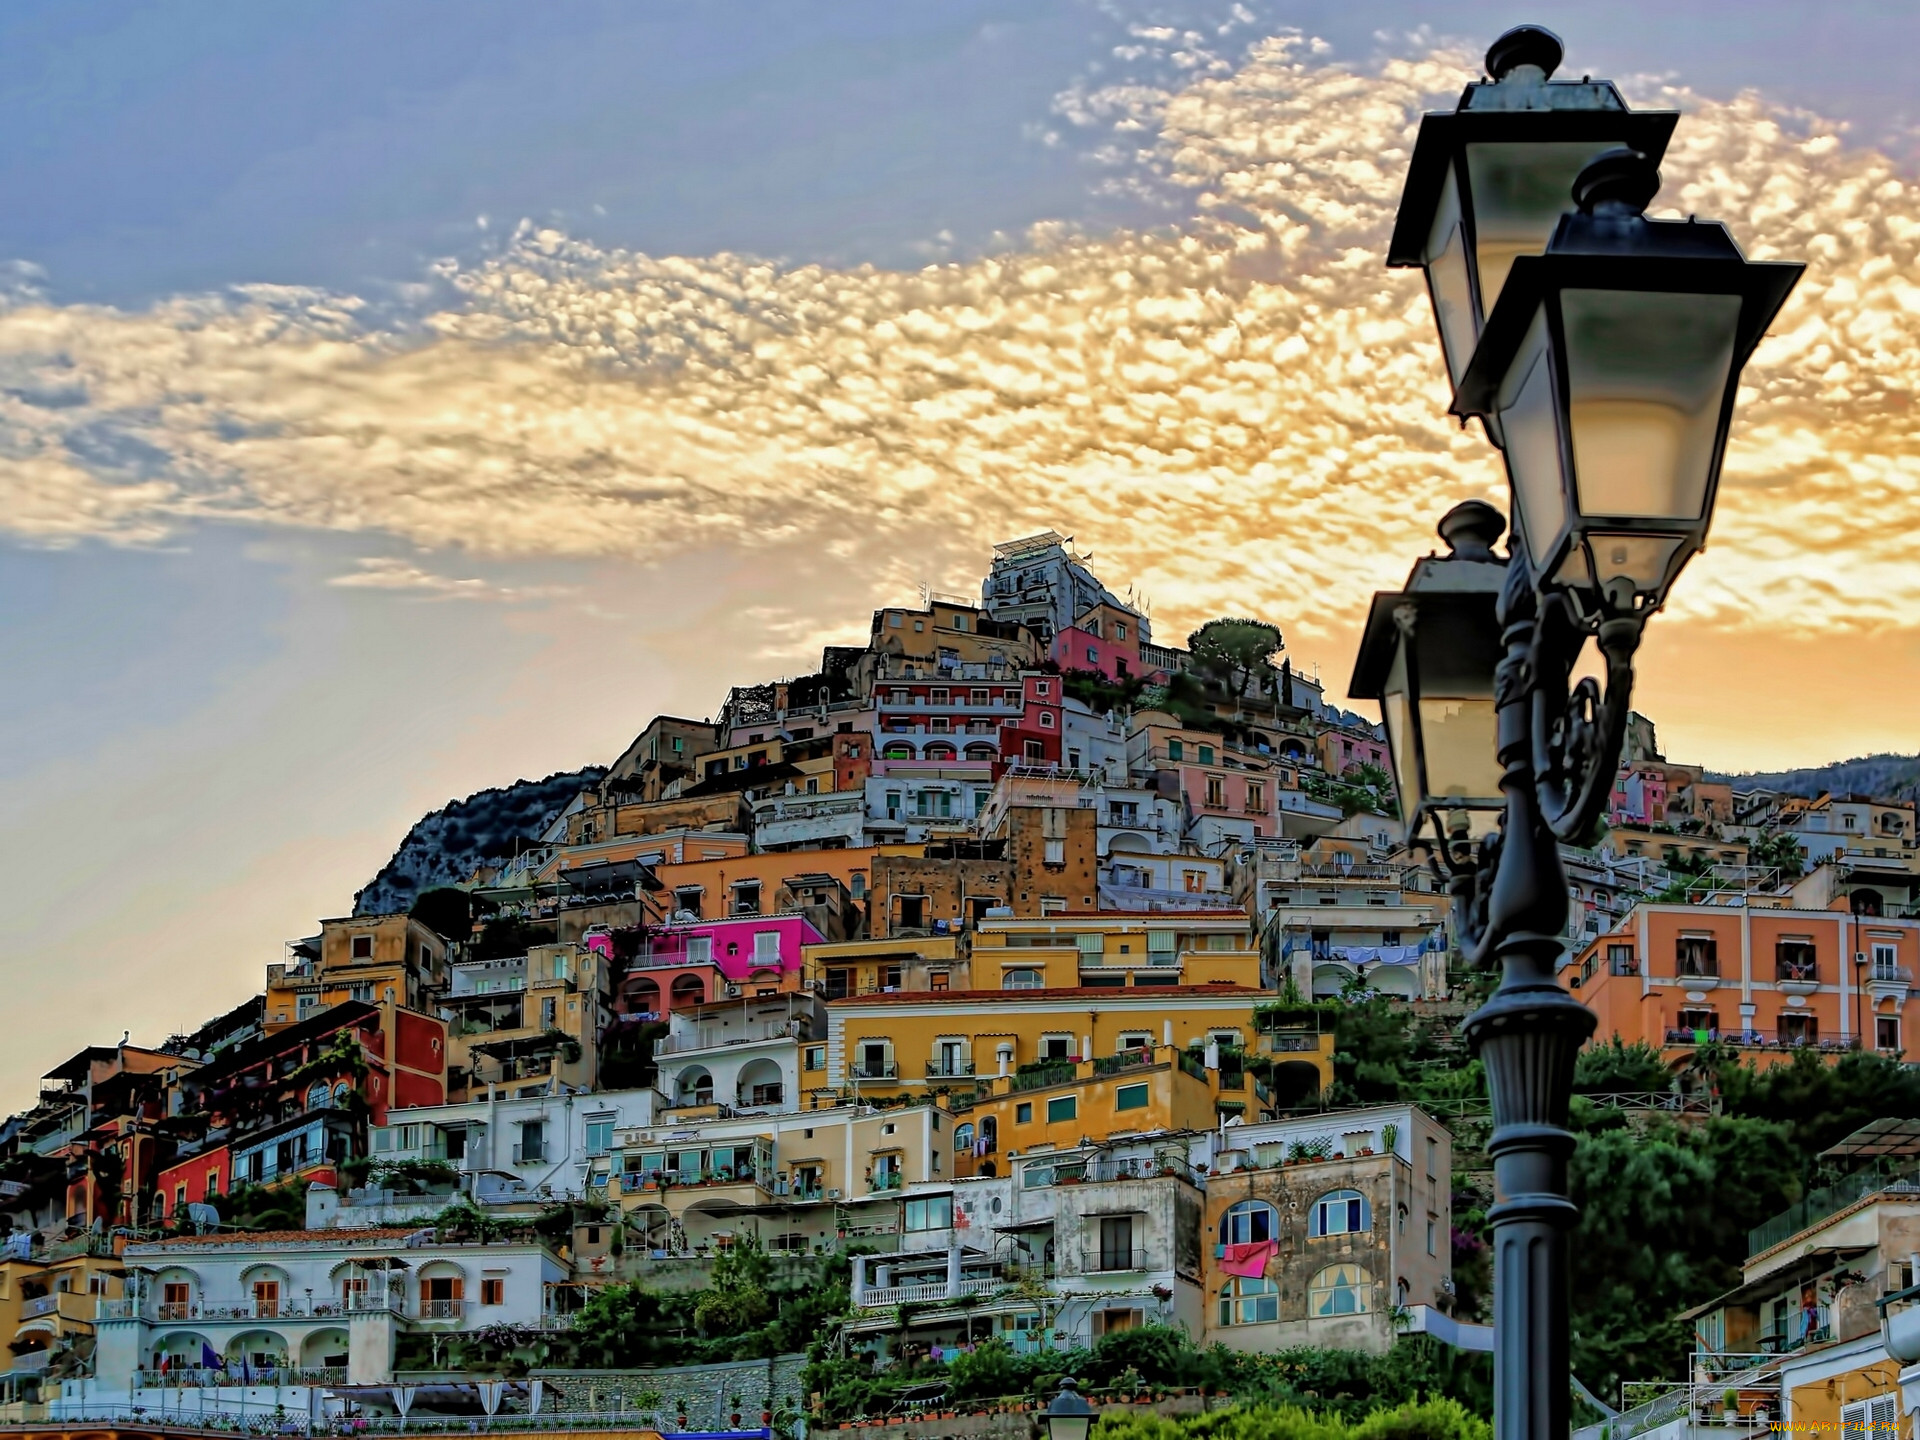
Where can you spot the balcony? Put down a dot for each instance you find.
(1762, 1040)
(1819, 1204)
(752, 1033)
(885, 1181)
(531, 1153)
(949, 1069)
(878, 1298)
(881, 1070)
(442, 1310)
(1113, 1260)
(1040, 1078)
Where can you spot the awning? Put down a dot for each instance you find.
(1888, 1136)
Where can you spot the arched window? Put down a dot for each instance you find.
(963, 1139)
(319, 1097)
(939, 750)
(1020, 980)
(1248, 1223)
(1340, 1290)
(1340, 1212)
(982, 752)
(1249, 1300)
(898, 750)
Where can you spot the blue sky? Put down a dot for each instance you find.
(230, 700)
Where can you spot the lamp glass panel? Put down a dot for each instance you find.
(1529, 415)
(1459, 737)
(1642, 559)
(1396, 711)
(1068, 1427)
(1518, 193)
(1646, 377)
(1448, 284)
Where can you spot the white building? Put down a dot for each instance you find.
(742, 1054)
(241, 1324)
(555, 1146)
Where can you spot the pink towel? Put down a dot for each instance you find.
(1248, 1261)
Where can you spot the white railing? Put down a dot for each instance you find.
(913, 1294)
(715, 1039)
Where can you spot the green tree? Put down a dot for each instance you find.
(1616, 1066)
(1238, 654)
(736, 1298)
(1778, 849)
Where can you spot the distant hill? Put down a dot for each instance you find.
(443, 848)
(1885, 777)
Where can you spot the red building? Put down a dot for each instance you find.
(292, 1105)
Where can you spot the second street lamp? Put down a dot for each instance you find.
(1607, 369)
(1611, 363)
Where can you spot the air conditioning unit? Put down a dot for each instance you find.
(733, 991)
(833, 1194)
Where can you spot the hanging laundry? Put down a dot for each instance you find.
(1248, 1261)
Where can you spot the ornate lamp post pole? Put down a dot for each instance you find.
(1602, 351)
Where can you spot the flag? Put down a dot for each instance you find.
(209, 1360)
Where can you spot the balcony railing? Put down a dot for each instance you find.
(1885, 972)
(795, 1028)
(1107, 1259)
(874, 1299)
(287, 1309)
(442, 1309)
(536, 1153)
(1820, 1204)
(885, 1070)
(949, 1069)
(886, 1180)
(1761, 1039)
(1046, 1075)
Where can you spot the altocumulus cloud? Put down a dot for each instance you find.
(1241, 407)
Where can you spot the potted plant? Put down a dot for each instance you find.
(733, 1410)
(1730, 1404)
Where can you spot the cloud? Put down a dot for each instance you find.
(1243, 409)
(388, 573)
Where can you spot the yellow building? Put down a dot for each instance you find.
(1114, 949)
(793, 1181)
(916, 1042)
(527, 1022)
(375, 958)
(47, 1303)
(1153, 1089)
(866, 967)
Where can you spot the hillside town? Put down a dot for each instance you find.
(989, 990)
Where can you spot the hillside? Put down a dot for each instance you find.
(443, 848)
(1887, 777)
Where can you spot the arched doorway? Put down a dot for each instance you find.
(643, 997)
(688, 990)
(761, 1083)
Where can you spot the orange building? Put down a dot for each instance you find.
(1766, 980)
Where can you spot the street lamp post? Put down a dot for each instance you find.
(1606, 349)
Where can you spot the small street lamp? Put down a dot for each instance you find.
(1488, 181)
(1604, 361)
(1069, 1416)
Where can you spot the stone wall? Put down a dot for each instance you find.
(707, 1390)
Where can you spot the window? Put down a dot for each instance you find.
(699, 949)
(1043, 688)
(1340, 1290)
(1886, 962)
(1206, 754)
(1794, 959)
(1216, 791)
(549, 1008)
(1119, 630)
(688, 899)
(934, 1212)
(1176, 750)
(1055, 852)
(600, 1135)
(1034, 751)
(1249, 1300)
(1249, 1223)
(1116, 1243)
(1093, 657)
(1130, 1097)
(1877, 1417)
(533, 1142)
(361, 990)
(814, 1057)
(1342, 1212)
(1023, 1114)
(1020, 980)
(1433, 1234)
(1056, 1047)
(936, 804)
(1256, 796)
(1697, 955)
(1886, 1032)
(1046, 719)
(363, 947)
(937, 979)
(1132, 1039)
(440, 1297)
(174, 1298)
(766, 947)
(1797, 1027)
(493, 1291)
(1700, 1024)
(1621, 960)
(1063, 1108)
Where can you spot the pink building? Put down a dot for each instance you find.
(700, 961)
(1105, 639)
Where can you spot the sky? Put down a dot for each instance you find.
(401, 399)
